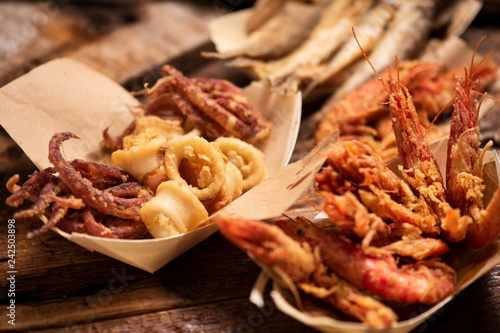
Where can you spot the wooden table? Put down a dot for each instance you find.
(60, 286)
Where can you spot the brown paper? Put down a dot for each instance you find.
(64, 95)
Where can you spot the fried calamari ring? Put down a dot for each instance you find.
(173, 210)
(141, 153)
(232, 190)
(168, 128)
(248, 159)
(196, 162)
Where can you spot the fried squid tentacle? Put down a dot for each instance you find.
(25, 192)
(102, 200)
(81, 196)
(235, 114)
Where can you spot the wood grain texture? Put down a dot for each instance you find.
(123, 42)
(62, 287)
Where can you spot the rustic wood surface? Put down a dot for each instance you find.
(62, 287)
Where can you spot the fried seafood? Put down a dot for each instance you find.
(213, 106)
(463, 149)
(464, 178)
(173, 210)
(98, 224)
(353, 168)
(168, 124)
(386, 235)
(231, 190)
(366, 104)
(197, 163)
(191, 177)
(372, 186)
(304, 265)
(422, 282)
(246, 157)
(351, 217)
(363, 114)
(169, 141)
(434, 92)
(418, 249)
(170, 128)
(370, 29)
(405, 34)
(292, 53)
(420, 167)
(377, 187)
(215, 173)
(104, 201)
(81, 196)
(455, 210)
(457, 205)
(141, 153)
(373, 250)
(357, 162)
(216, 107)
(324, 38)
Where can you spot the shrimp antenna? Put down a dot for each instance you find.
(472, 67)
(440, 112)
(474, 54)
(397, 66)
(486, 95)
(368, 60)
(483, 59)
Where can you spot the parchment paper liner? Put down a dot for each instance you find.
(469, 264)
(64, 95)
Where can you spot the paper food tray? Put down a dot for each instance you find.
(65, 95)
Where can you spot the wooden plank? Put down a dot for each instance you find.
(54, 274)
(232, 315)
(475, 309)
(123, 42)
(205, 289)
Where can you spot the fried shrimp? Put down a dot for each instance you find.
(303, 264)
